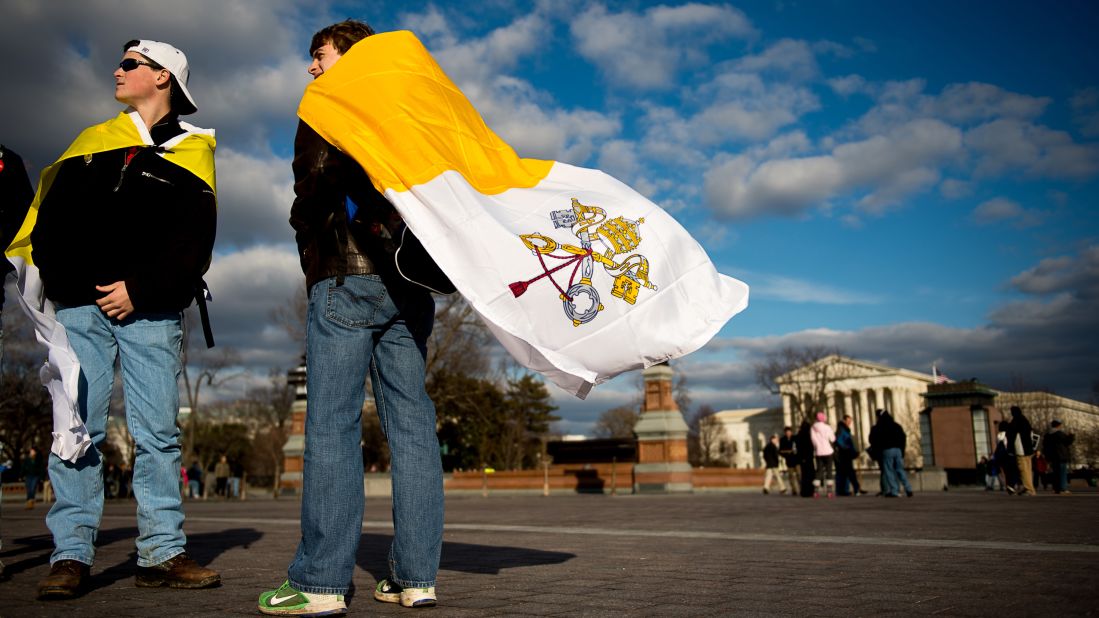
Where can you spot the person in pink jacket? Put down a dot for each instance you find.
(823, 438)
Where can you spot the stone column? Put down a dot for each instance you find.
(661, 438)
(293, 452)
(867, 414)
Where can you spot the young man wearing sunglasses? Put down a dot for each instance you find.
(125, 229)
(363, 319)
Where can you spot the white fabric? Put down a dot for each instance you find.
(61, 372)
(475, 239)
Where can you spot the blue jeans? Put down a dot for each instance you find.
(355, 328)
(149, 347)
(893, 471)
(1060, 476)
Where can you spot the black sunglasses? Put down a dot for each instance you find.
(129, 64)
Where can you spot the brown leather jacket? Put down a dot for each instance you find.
(329, 243)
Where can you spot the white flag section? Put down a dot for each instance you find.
(580, 277)
(61, 372)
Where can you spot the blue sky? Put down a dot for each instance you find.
(908, 182)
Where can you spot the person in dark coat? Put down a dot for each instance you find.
(788, 450)
(1020, 443)
(770, 459)
(847, 483)
(16, 196)
(803, 441)
(888, 441)
(1055, 446)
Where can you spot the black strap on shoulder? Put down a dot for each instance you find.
(204, 315)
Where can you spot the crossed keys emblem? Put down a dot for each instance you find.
(602, 240)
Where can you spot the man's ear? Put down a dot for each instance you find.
(163, 77)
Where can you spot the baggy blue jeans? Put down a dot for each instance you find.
(893, 471)
(149, 348)
(355, 328)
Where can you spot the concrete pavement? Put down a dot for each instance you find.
(958, 553)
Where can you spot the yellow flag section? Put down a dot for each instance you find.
(579, 276)
(193, 150)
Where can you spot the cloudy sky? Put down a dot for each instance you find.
(912, 183)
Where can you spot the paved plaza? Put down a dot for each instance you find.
(957, 553)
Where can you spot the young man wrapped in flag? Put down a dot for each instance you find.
(577, 275)
(112, 250)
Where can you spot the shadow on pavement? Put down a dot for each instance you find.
(464, 557)
(203, 548)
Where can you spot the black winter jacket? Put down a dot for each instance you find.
(147, 222)
(886, 434)
(16, 196)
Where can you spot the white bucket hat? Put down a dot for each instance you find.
(175, 62)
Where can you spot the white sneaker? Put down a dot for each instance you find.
(390, 592)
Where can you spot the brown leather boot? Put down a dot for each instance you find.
(177, 572)
(65, 581)
(30, 504)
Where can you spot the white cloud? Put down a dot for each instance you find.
(793, 290)
(1001, 209)
(952, 188)
(788, 57)
(884, 168)
(1085, 110)
(247, 286)
(848, 85)
(1006, 145)
(646, 50)
(254, 198)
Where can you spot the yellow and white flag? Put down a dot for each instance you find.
(579, 276)
(192, 150)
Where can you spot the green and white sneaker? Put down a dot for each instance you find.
(286, 601)
(391, 592)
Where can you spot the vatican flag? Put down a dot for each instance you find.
(579, 276)
(192, 150)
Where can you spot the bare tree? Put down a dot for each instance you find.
(807, 374)
(293, 316)
(705, 438)
(617, 422)
(268, 411)
(203, 367)
(459, 341)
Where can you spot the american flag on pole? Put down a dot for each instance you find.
(940, 377)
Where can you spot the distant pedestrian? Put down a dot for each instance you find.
(823, 440)
(32, 469)
(221, 476)
(771, 460)
(888, 438)
(1005, 463)
(194, 479)
(1055, 445)
(847, 482)
(184, 482)
(235, 472)
(806, 464)
(788, 449)
(1020, 443)
(991, 474)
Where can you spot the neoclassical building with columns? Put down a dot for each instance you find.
(837, 386)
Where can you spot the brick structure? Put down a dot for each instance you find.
(293, 452)
(661, 438)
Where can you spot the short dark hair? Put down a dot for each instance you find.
(341, 35)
